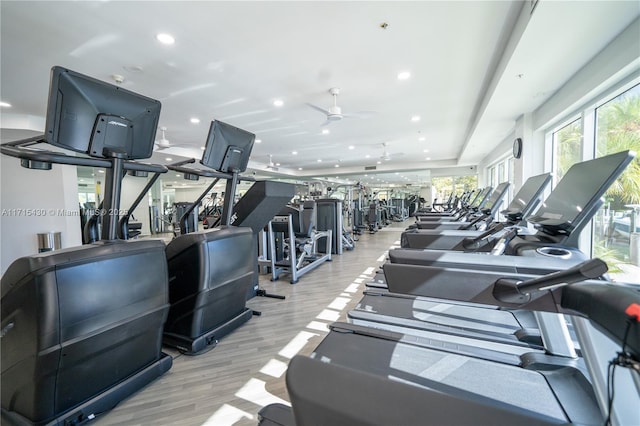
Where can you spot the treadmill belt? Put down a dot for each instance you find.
(508, 384)
(469, 317)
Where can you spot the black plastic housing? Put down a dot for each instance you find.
(79, 321)
(210, 274)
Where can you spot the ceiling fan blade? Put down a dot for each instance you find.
(360, 114)
(317, 108)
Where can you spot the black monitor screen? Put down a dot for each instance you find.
(496, 195)
(88, 115)
(531, 190)
(228, 148)
(578, 191)
(482, 196)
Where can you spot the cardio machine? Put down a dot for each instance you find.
(82, 326)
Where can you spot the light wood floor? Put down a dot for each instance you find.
(244, 372)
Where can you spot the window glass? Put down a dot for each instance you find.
(567, 148)
(618, 129)
(466, 183)
(445, 186)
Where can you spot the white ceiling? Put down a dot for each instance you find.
(231, 60)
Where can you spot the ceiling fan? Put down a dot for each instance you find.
(272, 166)
(334, 113)
(386, 155)
(163, 142)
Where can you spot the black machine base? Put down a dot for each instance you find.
(100, 403)
(208, 340)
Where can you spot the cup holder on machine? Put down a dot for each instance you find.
(557, 252)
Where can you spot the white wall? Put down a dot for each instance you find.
(131, 188)
(36, 201)
(188, 195)
(614, 63)
(617, 62)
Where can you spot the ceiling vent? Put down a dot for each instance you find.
(370, 167)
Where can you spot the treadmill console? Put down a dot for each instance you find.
(574, 200)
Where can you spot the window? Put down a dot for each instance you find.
(444, 186)
(567, 148)
(605, 127)
(618, 129)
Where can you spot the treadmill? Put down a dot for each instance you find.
(478, 203)
(559, 221)
(357, 377)
(477, 221)
(414, 279)
(441, 238)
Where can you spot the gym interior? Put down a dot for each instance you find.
(327, 213)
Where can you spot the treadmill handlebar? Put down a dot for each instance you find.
(501, 245)
(474, 221)
(476, 243)
(509, 290)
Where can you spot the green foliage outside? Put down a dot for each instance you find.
(618, 129)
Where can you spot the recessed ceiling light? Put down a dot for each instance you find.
(325, 131)
(5, 104)
(195, 120)
(404, 75)
(277, 164)
(397, 173)
(178, 176)
(165, 38)
(425, 150)
(337, 165)
(169, 159)
(299, 168)
(428, 158)
(319, 160)
(100, 171)
(352, 147)
(258, 141)
(202, 148)
(278, 102)
(367, 156)
(379, 162)
(294, 152)
(422, 139)
(415, 118)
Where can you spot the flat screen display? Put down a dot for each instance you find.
(577, 192)
(90, 116)
(228, 148)
(497, 195)
(479, 201)
(531, 190)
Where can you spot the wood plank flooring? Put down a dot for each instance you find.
(229, 384)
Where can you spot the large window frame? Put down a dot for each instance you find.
(587, 114)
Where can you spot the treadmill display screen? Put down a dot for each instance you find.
(574, 197)
(477, 202)
(531, 190)
(496, 195)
